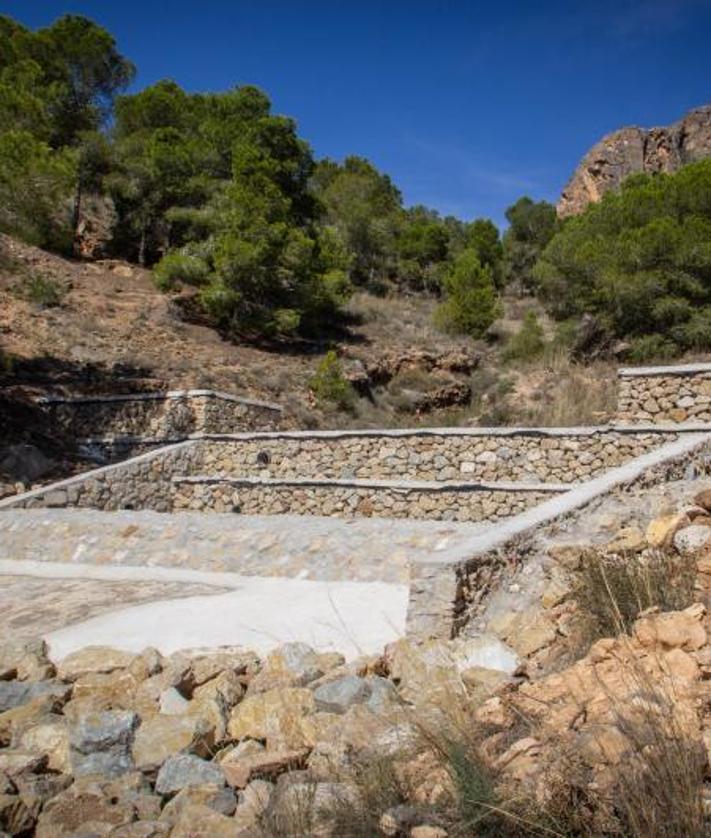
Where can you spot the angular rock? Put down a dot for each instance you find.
(239, 771)
(216, 796)
(201, 821)
(337, 696)
(50, 738)
(172, 703)
(101, 743)
(163, 736)
(93, 659)
(15, 817)
(691, 539)
(15, 693)
(182, 770)
(254, 802)
(290, 665)
(673, 630)
(275, 716)
(226, 685)
(25, 661)
(703, 499)
(14, 761)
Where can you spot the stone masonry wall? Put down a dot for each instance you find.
(160, 415)
(144, 482)
(665, 394)
(460, 454)
(464, 503)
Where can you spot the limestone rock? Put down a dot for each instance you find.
(16, 761)
(692, 538)
(660, 531)
(95, 806)
(253, 803)
(93, 659)
(15, 693)
(163, 736)
(172, 702)
(239, 771)
(213, 795)
(628, 539)
(15, 817)
(632, 150)
(227, 686)
(274, 716)
(25, 661)
(50, 738)
(673, 630)
(290, 665)
(101, 743)
(337, 696)
(198, 821)
(183, 770)
(703, 499)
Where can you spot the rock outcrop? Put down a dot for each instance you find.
(633, 150)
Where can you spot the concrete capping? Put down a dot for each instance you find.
(157, 396)
(678, 369)
(15, 500)
(574, 499)
(394, 485)
(503, 432)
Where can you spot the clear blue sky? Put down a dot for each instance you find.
(466, 104)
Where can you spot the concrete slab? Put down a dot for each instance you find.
(350, 617)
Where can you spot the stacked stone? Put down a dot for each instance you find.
(142, 483)
(160, 415)
(655, 397)
(437, 504)
(517, 456)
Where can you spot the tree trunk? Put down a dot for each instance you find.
(142, 248)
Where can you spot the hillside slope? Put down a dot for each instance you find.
(76, 327)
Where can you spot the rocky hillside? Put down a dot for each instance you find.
(632, 150)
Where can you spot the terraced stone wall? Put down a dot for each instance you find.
(144, 482)
(477, 454)
(665, 394)
(464, 502)
(156, 416)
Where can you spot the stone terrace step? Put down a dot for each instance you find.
(433, 500)
(326, 549)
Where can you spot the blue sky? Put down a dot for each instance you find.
(467, 105)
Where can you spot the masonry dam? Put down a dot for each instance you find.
(210, 526)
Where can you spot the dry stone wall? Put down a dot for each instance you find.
(449, 502)
(665, 394)
(480, 454)
(155, 416)
(144, 482)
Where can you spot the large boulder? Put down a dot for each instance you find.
(161, 737)
(182, 770)
(101, 743)
(93, 659)
(275, 715)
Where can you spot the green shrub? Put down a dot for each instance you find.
(329, 384)
(651, 348)
(471, 304)
(640, 262)
(178, 266)
(42, 291)
(528, 343)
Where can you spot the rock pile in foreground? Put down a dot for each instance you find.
(218, 742)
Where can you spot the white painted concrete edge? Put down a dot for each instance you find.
(671, 369)
(574, 499)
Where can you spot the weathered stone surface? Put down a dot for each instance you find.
(101, 743)
(16, 761)
(674, 630)
(93, 659)
(183, 770)
(239, 771)
(15, 693)
(50, 737)
(196, 821)
(95, 806)
(163, 736)
(25, 661)
(633, 150)
(337, 696)
(274, 715)
(15, 817)
(172, 703)
(214, 795)
(691, 539)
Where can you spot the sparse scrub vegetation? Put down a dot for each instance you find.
(613, 590)
(41, 290)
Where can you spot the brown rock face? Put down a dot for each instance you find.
(633, 150)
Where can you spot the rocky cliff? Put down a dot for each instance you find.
(632, 150)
